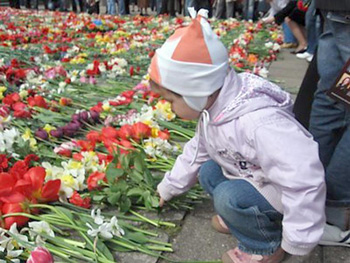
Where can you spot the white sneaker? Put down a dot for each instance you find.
(304, 55)
(309, 59)
(333, 236)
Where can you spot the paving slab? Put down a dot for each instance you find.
(288, 71)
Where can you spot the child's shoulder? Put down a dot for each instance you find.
(266, 116)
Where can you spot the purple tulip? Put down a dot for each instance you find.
(42, 134)
(95, 115)
(68, 131)
(76, 117)
(84, 116)
(58, 133)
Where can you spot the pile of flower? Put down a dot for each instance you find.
(74, 90)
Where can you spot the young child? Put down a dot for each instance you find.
(260, 166)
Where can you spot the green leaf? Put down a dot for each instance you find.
(65, 211)
(136, 237)
(139, 163)
(125, 205)
(114, 198)
(112, 173)
(136, 176)
(125, 160)
(98, 198)
(135, 192)
(103, 249)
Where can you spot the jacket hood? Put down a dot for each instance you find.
(243, 93)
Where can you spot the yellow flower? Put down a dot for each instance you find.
(75, 165)
(23, 94)
(2, 89)
(49, 128)
(1, 96)
(27, 134)
(106, 107)
(32, 144)
(154, 132)
(68, 180)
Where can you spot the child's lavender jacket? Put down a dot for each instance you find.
(252, 135)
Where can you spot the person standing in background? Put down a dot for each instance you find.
(330, 119)
(111, 10)
(312, 32)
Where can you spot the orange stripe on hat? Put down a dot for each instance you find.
(154, 70)
(178, 33)
(192, 47)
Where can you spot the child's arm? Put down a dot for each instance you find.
(289, 158)
(183, 175)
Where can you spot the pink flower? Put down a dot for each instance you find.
(40, 255)
(83, 79)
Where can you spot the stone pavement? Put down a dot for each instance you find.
(198, 241)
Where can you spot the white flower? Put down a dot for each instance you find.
(269, 45)
(116, 229)
(40, 227)
(276, 47)
(263, 72)
(103, 230)
(96, 215)
(7, 139)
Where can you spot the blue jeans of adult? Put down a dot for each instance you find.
(329, 122)
(121, 5)
(249, 216)
(111, 10)
(288, 35)
(312, 28)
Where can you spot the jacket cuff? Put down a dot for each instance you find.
(164, 191)
(300, 250)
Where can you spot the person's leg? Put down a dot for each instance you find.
(121, 6)
(310, 20)
(127, 7)
(164, 8)
(298, 32)
(288, 34)
(303, 102)
(112, 9)
(81, 5)
(230, 9)
(171, 7)
(220, 9)
(249, 216)
(329, 122)
(97, 7)
(210, 176)
(74, 6)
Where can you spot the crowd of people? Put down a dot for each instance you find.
(300, 21)
(246, 9)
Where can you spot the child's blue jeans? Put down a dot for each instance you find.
(249, 216)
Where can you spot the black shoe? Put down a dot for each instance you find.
(299, 52)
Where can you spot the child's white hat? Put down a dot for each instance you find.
(192, 62)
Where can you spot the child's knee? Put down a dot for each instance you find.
(206, 172)
(232, 195)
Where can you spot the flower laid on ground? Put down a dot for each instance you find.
(40, 255)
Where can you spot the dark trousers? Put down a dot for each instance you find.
(81, 5)
(15, 4)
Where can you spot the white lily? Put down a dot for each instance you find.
(40, 227)
(96, 215)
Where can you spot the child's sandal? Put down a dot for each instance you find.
(237, 256)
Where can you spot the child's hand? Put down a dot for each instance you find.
(161, 202)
